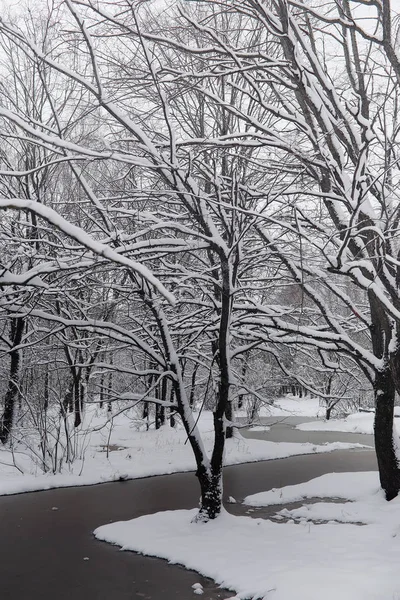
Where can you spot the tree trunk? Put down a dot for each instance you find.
(77, 403)
(224, 396)
(193, 386)
(160, 409)
(12, 393)
(101, 389)
(254, 410)
(146, 414)
(229, 417)
(243, 377)
(172, 411)
(160, 416)
(211, 495)
(46, 392)
(211, 481)
(68, 400)
(9, 403)
(389, 473)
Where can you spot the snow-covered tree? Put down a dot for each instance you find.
(324, 77)
(173, 238)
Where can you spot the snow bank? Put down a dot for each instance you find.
(284, 561)
(331, 485)
(355, 423)
(364, 504)
(134, 454)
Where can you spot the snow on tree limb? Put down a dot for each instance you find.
(82, 237)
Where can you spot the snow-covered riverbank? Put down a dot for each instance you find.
(353, 555)
(118, 450)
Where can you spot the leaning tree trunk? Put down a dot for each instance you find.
(12, 393)
(389, 472)
(209, 472)
(193, 386)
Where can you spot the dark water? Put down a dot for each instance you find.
(42, 550)
(282, 430)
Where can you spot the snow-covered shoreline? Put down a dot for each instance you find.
(292, 560)
(362, 422)
(338, 558)
(136, 454)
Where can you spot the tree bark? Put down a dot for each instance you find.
(78, 392)
(229, 417)
(193, 386)
(211, 495)
(12, 393)
(211, 481)
(389, 473)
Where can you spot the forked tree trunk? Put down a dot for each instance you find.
(389, 472)
(211, 495)
(209, 472)
(211, 480)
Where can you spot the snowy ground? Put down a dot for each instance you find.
(355, 423)
(131, 454)
(289, 560)
(290, 406)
